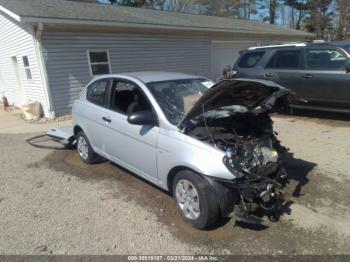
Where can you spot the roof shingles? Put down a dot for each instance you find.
(69, 10)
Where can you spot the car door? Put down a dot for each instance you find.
(132, 146)
(93, 113)
(325, 77)
(285, 68)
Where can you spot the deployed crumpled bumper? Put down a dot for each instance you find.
(245, 197)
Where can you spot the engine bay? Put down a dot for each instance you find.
(248, 140)
(253, 154)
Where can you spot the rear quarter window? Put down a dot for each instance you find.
(250, 59)
(96, 92)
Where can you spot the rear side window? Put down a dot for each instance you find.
(96, 92)
(250, 59)
(325, 59)
(285, 59)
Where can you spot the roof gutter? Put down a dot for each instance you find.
(153, 26)
(42, 68)
(10, 13)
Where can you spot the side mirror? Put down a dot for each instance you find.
(229, 72)
(142, 118)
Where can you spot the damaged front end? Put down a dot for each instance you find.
(234, 116)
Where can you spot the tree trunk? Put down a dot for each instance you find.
(273, 7)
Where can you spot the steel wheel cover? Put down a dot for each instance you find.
(187, 198)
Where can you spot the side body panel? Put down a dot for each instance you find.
(150, 152)
(176, 149)
(132, 146)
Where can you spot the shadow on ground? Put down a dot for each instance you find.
(149, 195)
(298, 170)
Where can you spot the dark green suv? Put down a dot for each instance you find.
(318, 73)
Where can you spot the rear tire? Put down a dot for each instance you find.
(85, 151)
(195, 199)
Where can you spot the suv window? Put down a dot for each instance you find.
(96, 92)
(127, 98)
(250, 59)
(325, 59)
(285, 59)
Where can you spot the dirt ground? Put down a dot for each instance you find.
(52, 203)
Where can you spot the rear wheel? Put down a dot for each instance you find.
(85, 150)
(195, 199)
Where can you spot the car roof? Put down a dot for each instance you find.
(159, 76)
(340, 44)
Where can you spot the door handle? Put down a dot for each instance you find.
(107, 119)
(269, 75)
(307, 76)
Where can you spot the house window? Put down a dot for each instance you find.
(99, 62)
(27, 67)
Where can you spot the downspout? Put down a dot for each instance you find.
(42, 68)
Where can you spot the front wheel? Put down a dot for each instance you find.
(195, 199)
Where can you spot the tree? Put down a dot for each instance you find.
(228, 8)
(272, 11)
(298, 12)
(269, 9)
(343, 23)
(319, 17)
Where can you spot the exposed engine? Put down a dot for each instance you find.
(254, 156)
(247, 139)
(252, 153)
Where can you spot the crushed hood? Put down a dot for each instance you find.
(254, 96)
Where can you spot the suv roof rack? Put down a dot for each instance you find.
(280, 45)
(293, 44)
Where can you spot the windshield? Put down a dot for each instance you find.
(177, 97)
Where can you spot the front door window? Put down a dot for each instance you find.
(126, 98)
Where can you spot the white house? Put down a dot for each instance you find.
(50, 49)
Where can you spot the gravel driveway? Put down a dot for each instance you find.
(52, 203)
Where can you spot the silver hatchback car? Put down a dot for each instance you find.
(211, 146)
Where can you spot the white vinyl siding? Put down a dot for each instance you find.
(69, 70)
(16, 41)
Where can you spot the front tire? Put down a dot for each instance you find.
(195, 199)
(85, 150)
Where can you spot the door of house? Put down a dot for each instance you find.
(22, 95)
